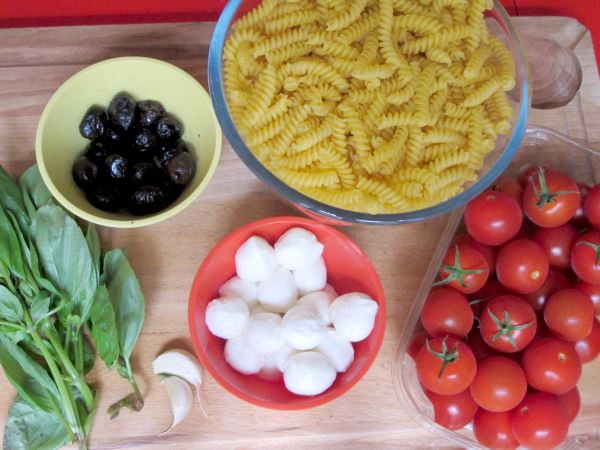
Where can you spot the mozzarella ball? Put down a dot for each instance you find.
(278, 292)
(282, 355)
(236, 287)
(353, 315)
(312, 278)
(241, 357)
(255, 260)
(339, 350)
(269, 371)
(329, 289)
(297, 249)
(303, 328)
(319, 301)
(257, 309)
(308, 373)
(263, 333)
(226, 317)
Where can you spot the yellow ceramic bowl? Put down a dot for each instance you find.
(58, 141)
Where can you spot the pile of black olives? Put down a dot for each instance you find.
(136, 159)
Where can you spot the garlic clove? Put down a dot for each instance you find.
(181, 398)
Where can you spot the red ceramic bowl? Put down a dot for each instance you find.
(348, 270)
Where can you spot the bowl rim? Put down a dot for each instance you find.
(307, 402)
(150, 219)
(216, 87)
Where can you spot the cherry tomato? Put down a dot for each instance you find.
(478, 346)
(493, 218)
(509, 186)
(585, 257)
(479, 299)
(579, 220)
(591, 207)
(588, 348)
(489, 253)
(446, 365)
(555, 281)
(499, 385)
(572, 402)
(551, 366)
(557, 243)
(550, 199)
(494, 430)
(540, 422)
(416, 344)
(464, 269)
(522, 266)
(453, 411)
(447, 311)
(593, 292)
(569, 314)
(528, 173)
(508, 323)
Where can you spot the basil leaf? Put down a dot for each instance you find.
(104, 328)
(30, 428)
(89, 359)
(40, 306)
(10, 306)
(65, 257)
(10, 250)
(11, 199)
(30, 380)
(93, 241)
(126, 297)
(33, 187)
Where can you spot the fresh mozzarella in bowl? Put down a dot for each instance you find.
(238, 288)
(263, 333)
(353, 315)
(308, 373)
(297, 249)
(338, 349)
(311, 278)
(241, 357)
(255, 260)
(278, 293)
(303, 328)
(319, 301)
(226, 317)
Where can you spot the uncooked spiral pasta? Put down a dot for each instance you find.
(377, 106)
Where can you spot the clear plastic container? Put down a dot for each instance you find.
(540, 146)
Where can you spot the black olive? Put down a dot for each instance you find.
(168, 152)
(121, 110)
(106, 198)
(113, 136)
(144, 140)
(94, 123)
(149, 112)
(169, 129)
(117, 167)
(145, 173)
(85, 173)
(97, 151)
(172, 190)
(147, 199)
(181, 168)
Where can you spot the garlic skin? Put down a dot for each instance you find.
(255, 260)
(238, 288)
(311, 278)
(303, 328)
(179, 363)
(308, 373)
(338, 350)
(297, 249)
(181, 398)
(320, 302)
(278, 292)
(353, 315)
(241, 357)
(263, 333)
(226, 317)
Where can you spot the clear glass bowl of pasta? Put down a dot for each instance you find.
(279, 39)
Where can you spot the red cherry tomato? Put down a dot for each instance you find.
(494, 430)
(447, 311)
(557, 243)
(591, 207)
(478, 346)
(551, 366)
(479, 299)
(493, 218)
(569, 314)
(593, 292)
(540, 422)
(522, 266)
(464, 269)
(572, 402)
(446, 365)
(528, 173)
(489, 253)
(551, 199)
(416, 343)
(500, 384)
(509, 186)
(585, 257)
(579, 220)
(555, 281)
(588, 348)
(508, 323)
(453, 411)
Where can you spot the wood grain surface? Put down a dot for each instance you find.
(34, 62)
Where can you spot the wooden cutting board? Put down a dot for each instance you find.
(34, 62)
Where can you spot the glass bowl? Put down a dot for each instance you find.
(496, 162)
